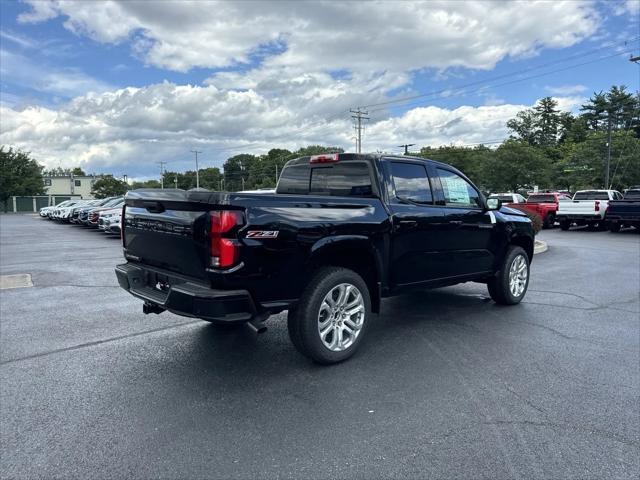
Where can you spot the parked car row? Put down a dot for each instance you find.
(597, 209)
(104, 214)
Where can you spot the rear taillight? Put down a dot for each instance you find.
(325, 158)
(122, 225)
(597, 206)
(225, 249)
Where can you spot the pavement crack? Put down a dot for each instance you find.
(590, 430)
(97, 342)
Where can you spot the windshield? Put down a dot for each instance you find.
(114, 202)
(591, 195)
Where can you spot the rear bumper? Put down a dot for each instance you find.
(576, 217)
(629, 220)
(180, 296)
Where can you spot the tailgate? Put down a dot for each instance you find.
(168, 229)
(577, 207)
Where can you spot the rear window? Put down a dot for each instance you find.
(348, 179)
(591, 195)
(295, 180)
(632, 194)
(503, 198)
(541, 198)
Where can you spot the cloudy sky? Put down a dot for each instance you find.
(115, 87)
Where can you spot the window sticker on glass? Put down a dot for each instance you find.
(456, 190)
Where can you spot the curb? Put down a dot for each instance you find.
(540, 247)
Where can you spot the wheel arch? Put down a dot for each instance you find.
(354, 252)
(524, 241)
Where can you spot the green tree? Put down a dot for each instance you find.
(524, 126)
(517, 165)
(547, 120)
(20, 175)
(78, 172)
(108, 186)
(145, 184)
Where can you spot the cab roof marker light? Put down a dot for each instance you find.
(325, 158)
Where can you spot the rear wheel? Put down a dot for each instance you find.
(614, 227)
(565, 224)
(331, 317)
(549, 221)
(510, 284)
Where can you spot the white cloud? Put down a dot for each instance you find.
(403, 36)
(128, 130)
(566, 89)
(20, 70)
(631, 7)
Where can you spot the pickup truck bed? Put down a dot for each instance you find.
(625, 212)
(340, 233)
(588, 207)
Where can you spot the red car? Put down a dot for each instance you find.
(545, 205)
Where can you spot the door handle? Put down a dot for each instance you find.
(455, 222)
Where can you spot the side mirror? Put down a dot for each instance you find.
(494, 204)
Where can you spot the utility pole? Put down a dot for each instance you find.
(175, 181)
(276, 173)
(197, 170)
(606, 172)
(359, 115)
(162, 164)
(406, 147)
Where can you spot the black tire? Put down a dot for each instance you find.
(614, 227)
(498, 286)
(549, 221)
(564, 225)
(302, 321)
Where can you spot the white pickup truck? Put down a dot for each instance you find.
(588, 207)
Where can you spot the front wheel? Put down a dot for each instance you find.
(332, 316)
(510, 284)
(615, 227)
(564, 225)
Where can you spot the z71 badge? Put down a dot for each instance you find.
(262, 234)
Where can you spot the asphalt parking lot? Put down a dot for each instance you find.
(447, 385)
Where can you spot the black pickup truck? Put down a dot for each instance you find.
(625, 212)
(341, 232)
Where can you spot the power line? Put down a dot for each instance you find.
(507, 75)
(463, 93)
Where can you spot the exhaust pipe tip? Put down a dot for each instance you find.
(257, 327)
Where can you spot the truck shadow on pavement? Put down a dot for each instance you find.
(400, 330)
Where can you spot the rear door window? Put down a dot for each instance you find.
(411, 182)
